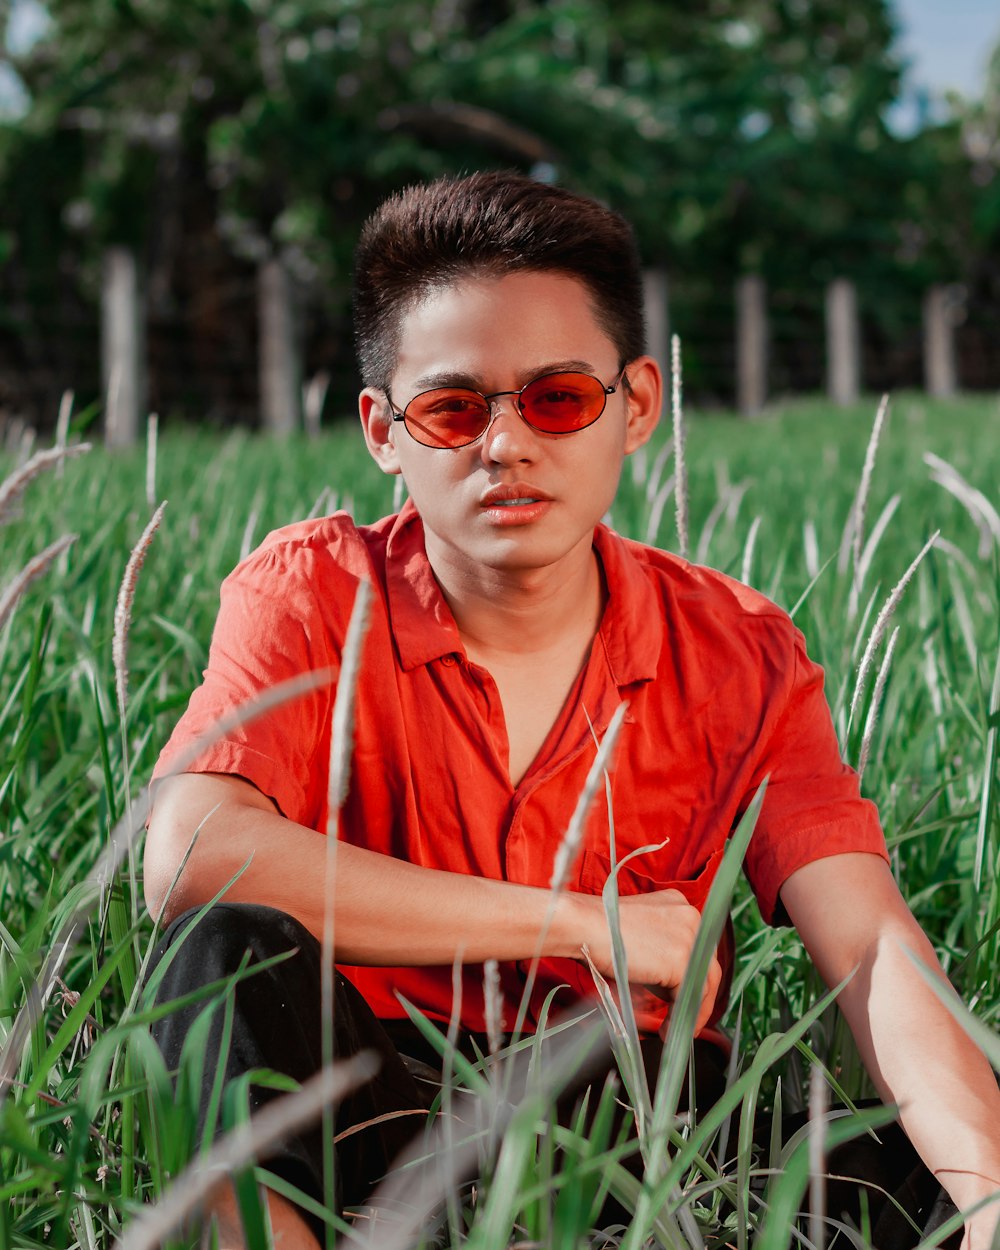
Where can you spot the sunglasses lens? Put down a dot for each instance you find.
(557, 403)
(447, 418)
(562, 402)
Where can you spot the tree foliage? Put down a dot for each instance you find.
(736, 134)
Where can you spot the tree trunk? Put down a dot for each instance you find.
(123, 335)
(751, 344)
(843, 343)
(280, 370)
(940, 372)
(656, 306)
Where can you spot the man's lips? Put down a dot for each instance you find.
(515, 495)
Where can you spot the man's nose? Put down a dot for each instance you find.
(508, 436)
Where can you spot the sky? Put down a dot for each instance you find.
(948, 43)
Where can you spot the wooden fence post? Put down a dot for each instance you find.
(123, 365)
(279, 369)
(656, 307)
(843, 342)
(751, 344)
(940, 372)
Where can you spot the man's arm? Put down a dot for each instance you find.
(850, 914)
(387, 911)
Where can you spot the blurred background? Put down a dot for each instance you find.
(815, 185)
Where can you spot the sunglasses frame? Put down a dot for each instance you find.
(491, 407)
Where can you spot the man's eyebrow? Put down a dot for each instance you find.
(448, 377)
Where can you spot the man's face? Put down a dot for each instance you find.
(497, 334)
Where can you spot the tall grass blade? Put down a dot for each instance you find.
(341, 753)
(342, 730)
(656, 508)
(419, 1183)
(882, 623)
(868, 554)
(984, 1037)
(796, 607)
(683, 1015)
(810, 546)
(152, 433)
(817, 1159)
(785, 1192)
(569, 848)
(987, 801)
(749, 547)
(876, 702)
(493, 1000)
(62, 429)
(119, 651)
(864, 487)
(983, 513)
(680, 466)
(240, 1147)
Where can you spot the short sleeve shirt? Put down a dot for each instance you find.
(720, 695)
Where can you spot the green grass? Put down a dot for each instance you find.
(91, 1128)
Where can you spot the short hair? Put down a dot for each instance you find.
(489, 224)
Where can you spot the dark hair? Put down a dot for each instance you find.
(489, 224)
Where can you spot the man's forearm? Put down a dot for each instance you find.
(386, 911)
(853, 920)
(920, 1058)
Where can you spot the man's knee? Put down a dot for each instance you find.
(270, 960)
(237, 927)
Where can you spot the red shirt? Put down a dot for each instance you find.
(720, 694)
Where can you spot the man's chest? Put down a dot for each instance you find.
(434, 762)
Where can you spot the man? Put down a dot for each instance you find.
(501, 345)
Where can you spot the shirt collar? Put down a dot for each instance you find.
(631, 629)
(422, 623)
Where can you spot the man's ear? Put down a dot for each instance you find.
(379, 429)
(644, 401)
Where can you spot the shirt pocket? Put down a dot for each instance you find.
(638, 876)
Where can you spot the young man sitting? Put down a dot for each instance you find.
(500, 336)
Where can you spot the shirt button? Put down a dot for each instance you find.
(449, 659)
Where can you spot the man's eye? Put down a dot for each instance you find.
(454, 406)
(555, 397)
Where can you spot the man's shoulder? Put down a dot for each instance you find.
(320, 546)
(696, 587)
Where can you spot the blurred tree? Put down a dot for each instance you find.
(981, 141)
(738, 136)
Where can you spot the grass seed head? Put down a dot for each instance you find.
(13, 486)
(34, 568)
(883, 619)
(123, 608)
(569, 848)
(62, 427)
(493, 998)
(864, 487)
(680, 466)
(152, 432)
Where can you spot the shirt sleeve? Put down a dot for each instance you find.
(267, 632)
(813, 806)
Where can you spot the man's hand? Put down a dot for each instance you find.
(658, 931)
(981, 1228)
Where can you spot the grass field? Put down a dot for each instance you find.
(89, 1125)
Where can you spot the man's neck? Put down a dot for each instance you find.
(503, 614)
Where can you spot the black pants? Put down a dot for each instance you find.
(277, 1024)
